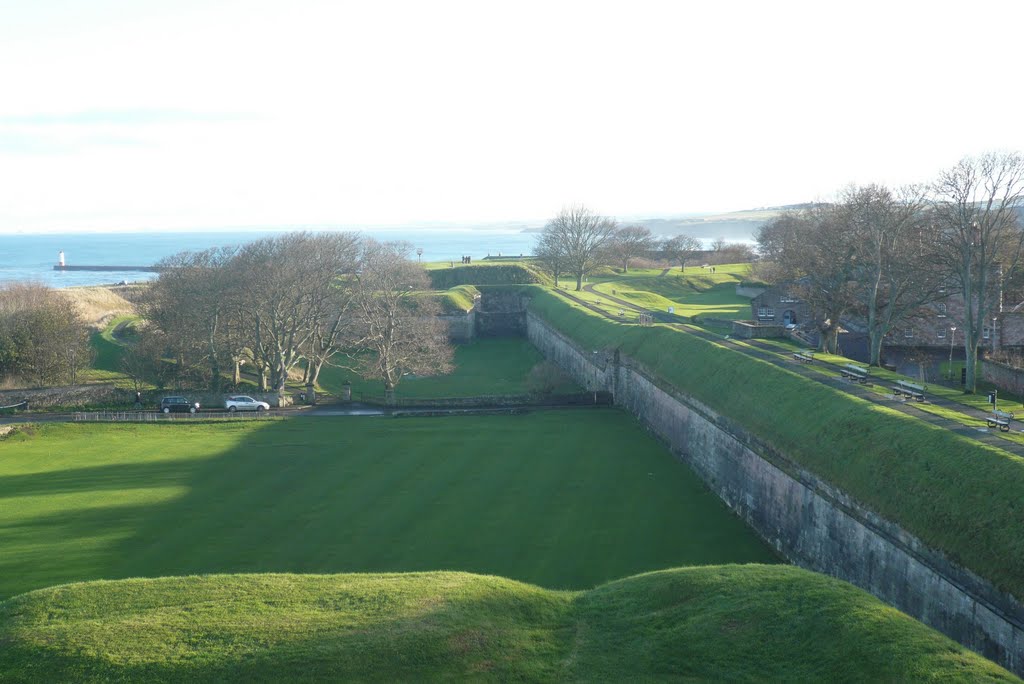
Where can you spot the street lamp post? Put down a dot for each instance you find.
(419, 253)
(952, 334)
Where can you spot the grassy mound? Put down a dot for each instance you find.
(487, 274)
(953, 493)
(766, 623)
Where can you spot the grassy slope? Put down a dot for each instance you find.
(695, 292)
(563, 499)
(953, 493)
(488, 366)
(763, 623)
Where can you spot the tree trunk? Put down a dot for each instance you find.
(971, 351)
(876, 337)
(579, 282)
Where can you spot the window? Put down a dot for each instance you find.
(908, 332)
(765, 313)
(788, 300)
(985, 333)
(941, 309)
(941, 334)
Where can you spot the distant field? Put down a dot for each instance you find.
(564, 499)
(488, 366)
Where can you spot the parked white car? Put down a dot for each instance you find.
(244, 403)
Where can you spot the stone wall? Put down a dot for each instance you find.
(811, 523)
(461, 327)
(753, 329)
(1004, 377)
(501, 313)
(71, 395)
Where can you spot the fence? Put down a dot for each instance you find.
(14, 408)
(500, 401)
(155, 416)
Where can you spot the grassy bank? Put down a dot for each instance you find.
(955, 494)
(563, 499)
(736, 623)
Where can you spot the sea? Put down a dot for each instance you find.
(31, 258)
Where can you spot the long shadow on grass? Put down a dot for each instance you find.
(559, 499)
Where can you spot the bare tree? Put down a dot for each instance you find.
(680, 248)
(818, 258)
(143, 361)
(329, 329)
(286, 282)
(551, 253)
(976, 213)
(43, 338)
(398, 329)
(629, 243)
(583, 235)
(896, 271)
(191, 302)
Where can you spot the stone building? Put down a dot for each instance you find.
(776, 305)
(940, 324)
(930, 326)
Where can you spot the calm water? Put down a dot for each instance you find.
(31, 257)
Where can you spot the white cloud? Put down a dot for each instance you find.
(226, 113)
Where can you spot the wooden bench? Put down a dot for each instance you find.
(855, 373)
(908, 389)
(804, 357)
(1000, 419)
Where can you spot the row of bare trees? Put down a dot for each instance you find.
(578, 240)
(287, 305)
(882, 254)
(43, 339)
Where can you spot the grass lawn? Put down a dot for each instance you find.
(717, 623)
(106, 365)
(488, 366)
(562, 499)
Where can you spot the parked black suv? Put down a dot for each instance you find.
(178, 405)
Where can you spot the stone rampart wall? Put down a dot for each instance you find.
(810, 522)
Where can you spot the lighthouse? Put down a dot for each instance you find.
(60, 259)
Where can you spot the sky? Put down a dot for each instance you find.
(193, 114)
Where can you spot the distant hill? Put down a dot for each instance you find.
(733, 226)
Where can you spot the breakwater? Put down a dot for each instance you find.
(141, 269)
